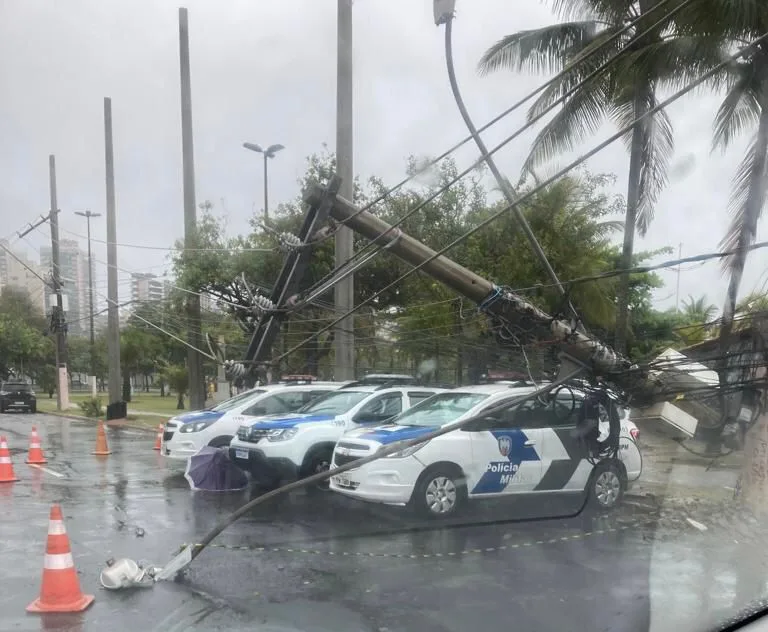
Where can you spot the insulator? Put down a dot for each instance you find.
(262, 303)
(289, 242)
(234, 370)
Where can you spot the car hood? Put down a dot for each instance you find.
(384, 435)
(290, 421)
(198, 415)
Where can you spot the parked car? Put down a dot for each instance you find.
(185, 434)
(528, 448)
(17, 396)
(301, 444)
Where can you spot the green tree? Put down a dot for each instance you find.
(177, 378)
(625, 91)
(696, 317)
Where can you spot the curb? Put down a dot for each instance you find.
(109, 424)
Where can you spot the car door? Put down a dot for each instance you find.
(506, 452)
(379, 409)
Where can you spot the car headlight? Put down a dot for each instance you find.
(401, 454)
(282, 434)
(4, 393)
(195, 427)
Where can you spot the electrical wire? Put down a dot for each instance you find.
(528, 195)
(532, 121)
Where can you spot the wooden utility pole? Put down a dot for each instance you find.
(194, 337)
(58, 320)
(114, 381)
(344, 290)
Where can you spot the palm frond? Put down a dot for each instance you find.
(543, 50)
(657, 144)
(610, 11)
(580, 116)
(739, 110)
(728, 19)
(748, 196)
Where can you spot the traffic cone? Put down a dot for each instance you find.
(60, 590)
(7, 475)
(102, 448)
(35, 456)
(159, 438)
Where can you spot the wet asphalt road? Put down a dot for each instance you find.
(322, 562)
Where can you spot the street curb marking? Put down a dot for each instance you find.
(46, 470)
(422, 556)
(78, 418)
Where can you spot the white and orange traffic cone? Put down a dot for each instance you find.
(102, 447)
(60, 590)
(159, 438)
(35, 455)
(7, 475)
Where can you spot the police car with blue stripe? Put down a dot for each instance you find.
(564, 442)
(290, 446)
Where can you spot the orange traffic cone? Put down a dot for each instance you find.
(102, 448)
(159, 438)
(60, 590)
(7, 475)
(35, 456)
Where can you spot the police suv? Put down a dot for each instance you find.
(185, 434)
(541, 445)
(297, 445)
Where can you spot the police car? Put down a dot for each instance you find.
(184, 435)
(534, 447)
(298, 445)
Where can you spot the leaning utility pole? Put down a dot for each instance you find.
(344, 290)
(114, 380)
(194, 359)
(58, 321)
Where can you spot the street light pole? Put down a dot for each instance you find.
(88, 215)
(268, 153)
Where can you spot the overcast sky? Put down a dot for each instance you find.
(265, 72)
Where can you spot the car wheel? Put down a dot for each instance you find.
(33, 410)
(440, 492)
(220, 442)
(317, 461)
(606, 486)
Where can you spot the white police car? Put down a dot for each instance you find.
(184, 435)
(533, 447)
(299, 445)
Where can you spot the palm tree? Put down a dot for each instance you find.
(698, 310)
(625, 91)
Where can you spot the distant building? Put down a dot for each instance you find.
(20, 273)
(74, 284)
(148, 287)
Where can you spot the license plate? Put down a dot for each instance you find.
(342, 481)
(241, 454)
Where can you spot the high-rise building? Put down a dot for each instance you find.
(17, 271)
(74, 284)
(147, 287)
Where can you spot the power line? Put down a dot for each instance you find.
(523, 198)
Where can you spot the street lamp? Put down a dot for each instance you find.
(269, 152)
(88, 215)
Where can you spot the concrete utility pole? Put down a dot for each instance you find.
(88, 215)
(194, 359)
(114, 380)
(58, 320)
(344, 290)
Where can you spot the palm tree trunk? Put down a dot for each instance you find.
(630, 219)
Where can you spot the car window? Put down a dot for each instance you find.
(417, 397)
(275, 404)
(15, 386)
(381, 408)
(335, 402)
(440, 409)
(232, 402)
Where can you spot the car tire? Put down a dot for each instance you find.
(33, 409)
(606, 486)
(220, 442)
(440, 492)
(318, 460)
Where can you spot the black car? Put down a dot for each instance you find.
(17, 396)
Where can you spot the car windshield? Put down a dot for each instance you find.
(15, 386)
(236, 400)
(335, 402)
(440, 409)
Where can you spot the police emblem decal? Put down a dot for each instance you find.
(505, 445)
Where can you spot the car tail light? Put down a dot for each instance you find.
(635, 433)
